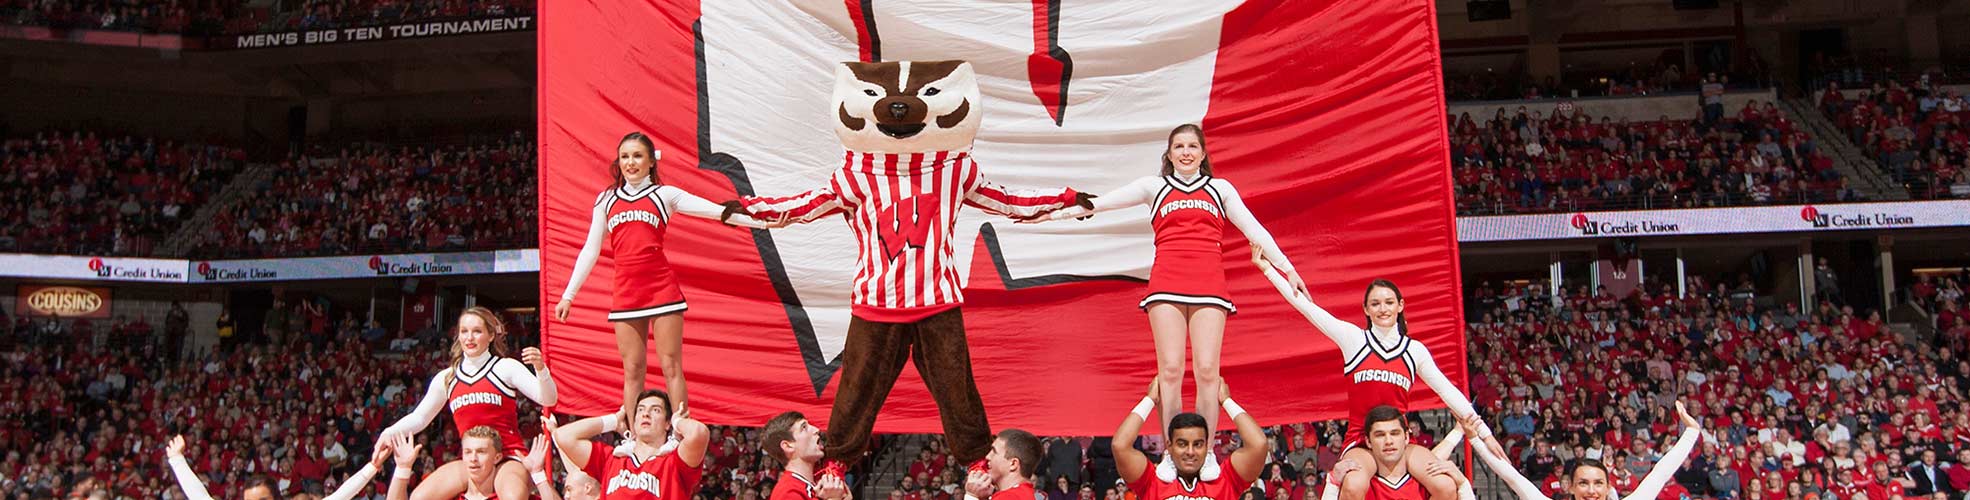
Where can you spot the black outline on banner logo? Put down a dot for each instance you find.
(869, 24)
(1054, 51)
(820, 369)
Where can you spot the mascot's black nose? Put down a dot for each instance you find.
(897, 110)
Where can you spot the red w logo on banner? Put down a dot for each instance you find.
(905, 224)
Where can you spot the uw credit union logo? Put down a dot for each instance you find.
(210, 273)
(409, 266)
(135, 270)
(1585, 225)
(1821, 220)
(1590, 226)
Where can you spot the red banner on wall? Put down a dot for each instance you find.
(1327, 116)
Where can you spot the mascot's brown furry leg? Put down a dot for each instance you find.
(944, 358)
(870, 362)
(871, 358)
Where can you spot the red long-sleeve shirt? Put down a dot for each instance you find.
(902, 208)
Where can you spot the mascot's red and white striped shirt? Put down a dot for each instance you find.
(902, 207)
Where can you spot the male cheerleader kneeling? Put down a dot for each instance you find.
(793, 441)
(481, 453)
(1190, 445)
(645, 474)
(1015, 455)
(1387, 441)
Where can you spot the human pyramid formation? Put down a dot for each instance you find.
(900, 120)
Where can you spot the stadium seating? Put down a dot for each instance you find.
(389, 199)
(1529, 163)
(84, 193)
(1914, 131)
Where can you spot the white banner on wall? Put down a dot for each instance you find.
(344, 267)
(525, 260)
(92, 268)
(1776, 219)
(1643, 223)
(249, 270)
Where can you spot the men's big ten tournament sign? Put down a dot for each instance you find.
(374, 33)
(1326, 115)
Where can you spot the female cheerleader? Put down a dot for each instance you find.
(480, 389)
(1382, 362)
(632, 216)
(1187, 296)
(1589, 478)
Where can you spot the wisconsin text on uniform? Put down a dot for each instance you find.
(642, 481)
(477, 398)
(1381, 376)
(1183, 204)
(634, 216)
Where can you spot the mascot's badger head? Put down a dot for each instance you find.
(906, 106)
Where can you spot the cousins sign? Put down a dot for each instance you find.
(62, 301)
(1327, 115)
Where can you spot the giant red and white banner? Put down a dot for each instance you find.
(1327, 115)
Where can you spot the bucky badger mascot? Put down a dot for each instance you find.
(907, 127)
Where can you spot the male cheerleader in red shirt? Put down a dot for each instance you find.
(646, 473)
(1190, 444)
(792, 440)
(1015, 455)
(1387, 439)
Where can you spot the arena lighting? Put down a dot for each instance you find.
(1936, 271)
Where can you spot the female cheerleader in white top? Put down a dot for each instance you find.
(1187, 297)
(631, 218)
(481, 389)
(1381, 363)
(1589, 475)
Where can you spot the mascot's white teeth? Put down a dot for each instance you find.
(900, 131)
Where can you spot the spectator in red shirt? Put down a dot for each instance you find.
(310, 469)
